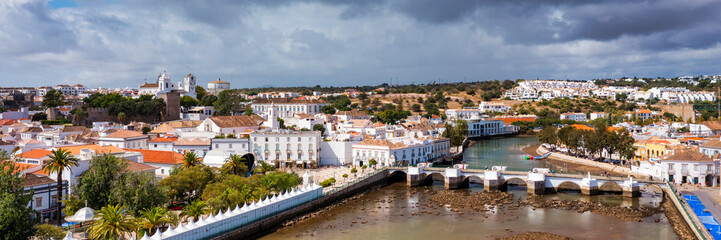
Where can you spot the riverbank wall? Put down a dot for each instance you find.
(692, 221)
(580, 161)
(378, 178)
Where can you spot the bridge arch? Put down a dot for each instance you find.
(473, 179)
(515, 181)
(568, 185)
(610, 186)
(398, 175)
(652, 189)
(430, 177)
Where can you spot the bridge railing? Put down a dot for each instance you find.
(700, 232)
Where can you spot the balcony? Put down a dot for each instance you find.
(684, 172)
(671, 172)
(710, 172)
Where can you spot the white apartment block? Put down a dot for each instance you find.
(286, 107)
(285, 148)
(400, 151)
(462, 114)
(478, 127)
(578, 117)
(492, 107)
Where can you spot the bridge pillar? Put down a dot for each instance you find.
(415, 176)
(491, 180)
(631, 188)
(536, 183)
(453, 179)
(589, 186)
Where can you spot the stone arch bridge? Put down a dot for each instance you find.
(538, 181)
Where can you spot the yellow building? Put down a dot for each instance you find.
(654, 148)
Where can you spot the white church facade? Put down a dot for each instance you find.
(164, 85)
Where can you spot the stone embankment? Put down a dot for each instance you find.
(581, 161)
(678, 223)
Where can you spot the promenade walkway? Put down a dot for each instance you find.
(582, 161)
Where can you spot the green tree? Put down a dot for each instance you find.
(235, 164)
(208, 100)
(194, 210)
(390, 116)
(248, 110)
(138, 191)
(328, 110)
(190, 159)
(53, 98)
(264, 168)
(456, 132)
(48, 231)
(548, 135)
(188, 183)
(228, 102)
(146, 130)
(112, 222)
(188, 101)
(200, 92)
(151, 219)
(17, 217)
(320, 128)
(372, 162)
(121, 117)
(96, 184)
(59, 160)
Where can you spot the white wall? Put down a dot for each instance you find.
(336, 153)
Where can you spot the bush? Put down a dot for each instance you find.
(364, 166)
(48, 231)
(327, 182)
(345, 175)
(372, 162)
(353, 170)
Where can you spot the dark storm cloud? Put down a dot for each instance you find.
(326, 42)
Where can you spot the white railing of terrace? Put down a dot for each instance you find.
(222, 222)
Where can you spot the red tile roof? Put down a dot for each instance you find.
(164, 139)
(124, 134)
(35, 153)
(157, 156)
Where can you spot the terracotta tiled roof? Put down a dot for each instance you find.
(712, 144)
(304, 115)
(382, 142)
(35, 180)
(125, 134)
(149, 85)
(75, 150)
(234, 121)
(75, 129)
(184, 124)
(582, 127)
(4, 122)
(157, 156)
(688, 155)
(22, 166)
(163, 128)
(193, 142)
(353, 112)
(644, 111)
(713, 125)
(35, 153)
(138, 167)
(29, 141)
(32, 129)
(164, 139)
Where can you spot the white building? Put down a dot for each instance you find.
(45, 194)
(597, 115)
(403, 151)
(218, 86)
(162, 143)
(125, 139)
(689, 166)
(199, 146)
(492, 107)
(230, 124)
(222, 148)
(286, 107)
(164, 85)
(162, 161)
(462, 114)
(478, 127)
(284, 148)
(578, 117)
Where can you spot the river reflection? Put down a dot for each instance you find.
(400, 212)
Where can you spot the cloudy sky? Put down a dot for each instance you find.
(119, 43)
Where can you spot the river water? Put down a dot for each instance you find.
(388, 213)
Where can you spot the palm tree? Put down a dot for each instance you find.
(173, 218)
(195, 210)
(112, 223)
(190, 160)
(235, 164)
(264, 168)
(59, 160)
(152, 219)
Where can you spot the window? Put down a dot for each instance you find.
(38, 202)
(155, 145)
